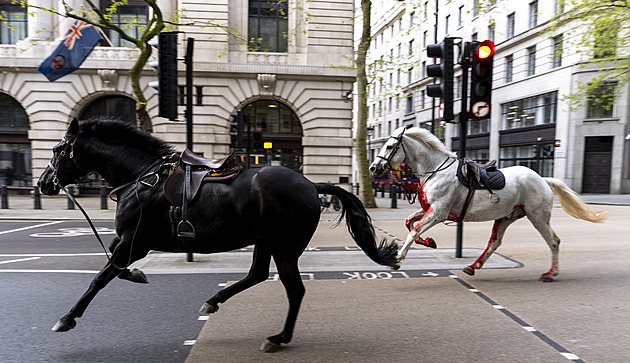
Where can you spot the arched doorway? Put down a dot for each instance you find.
(113, 106)
(279, 125)
(15, 147)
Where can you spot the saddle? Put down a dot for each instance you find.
(480, 176)
(477, 176)
(188, 172)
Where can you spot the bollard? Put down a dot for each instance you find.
(393, 192)
(357, 186)
(70, 190)
(37, 200)
(4, 196)
(103, 197)
(383, 190)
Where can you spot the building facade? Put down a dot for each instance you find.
(536, 66)
(286, 64)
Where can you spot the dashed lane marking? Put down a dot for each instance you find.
(550, 342)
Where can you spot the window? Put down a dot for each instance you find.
(529, 156)
(412, 19)
(509, 68)
(423, 99)
(410, 76)
(475, 8)
(605, 42)
(530, 111)
(533, 14)
(13, 23)
(510, 26)
(425, 11)
(460, 16)
(491, 32)
(557, 52)
(411, 47)
(409, 105)
(559, 8)
(424, 39)
(474, 37)
(447, 24)
(268, 26)
(600, 101)
(424, 69)
(531, 61)
(131, 18)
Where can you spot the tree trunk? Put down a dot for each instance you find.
(365, 182)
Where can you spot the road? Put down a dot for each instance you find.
(425, 309)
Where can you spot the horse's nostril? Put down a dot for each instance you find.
(372, 168)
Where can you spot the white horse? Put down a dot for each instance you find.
(442, 196)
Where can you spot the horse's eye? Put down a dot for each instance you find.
(389, 147)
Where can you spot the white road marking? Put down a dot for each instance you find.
(190, 342)
(52, 271)
(570, 356)
(203, 317)
(20, 260)
(53, 254)
(530, 328)
(30, 227)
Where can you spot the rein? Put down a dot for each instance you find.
(137, 182)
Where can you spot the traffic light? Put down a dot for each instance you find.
(481, 79)
(166, 65)
(257, 145)
(236, 128)
(444, 71)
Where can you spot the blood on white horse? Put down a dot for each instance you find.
(442, 196)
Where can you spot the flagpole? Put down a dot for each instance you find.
(109, 42)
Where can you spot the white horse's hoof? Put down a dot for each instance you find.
(269, 347)
(208, 309)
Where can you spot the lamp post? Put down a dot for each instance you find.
(370, 131)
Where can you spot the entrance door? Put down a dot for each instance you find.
(597, 164)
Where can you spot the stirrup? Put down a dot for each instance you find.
(185, 229)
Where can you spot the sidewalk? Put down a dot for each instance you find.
(56, 207)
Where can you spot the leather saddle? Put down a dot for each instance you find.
(187, 174)
(480, 176)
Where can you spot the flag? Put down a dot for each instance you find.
(71, 52)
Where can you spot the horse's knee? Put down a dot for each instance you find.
(115, 242)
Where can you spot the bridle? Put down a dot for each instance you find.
(68, 142)
(407, 191)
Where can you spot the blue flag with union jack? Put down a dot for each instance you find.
(71, 52)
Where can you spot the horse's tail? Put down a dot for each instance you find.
(572, 203)
(360, 226)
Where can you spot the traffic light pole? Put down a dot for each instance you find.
(463, 130)
(188, 60)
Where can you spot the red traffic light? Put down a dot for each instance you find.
(485, 50)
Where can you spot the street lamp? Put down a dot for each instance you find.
(370, 132)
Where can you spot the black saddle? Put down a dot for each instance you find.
(480, 176)
(189, 171)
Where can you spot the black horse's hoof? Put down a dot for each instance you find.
(64, 325)
(134, 275)
(208, 308)
(469, 270)
(270, 347)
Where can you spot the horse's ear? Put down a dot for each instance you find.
(73, 129)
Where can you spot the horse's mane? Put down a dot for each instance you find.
(121, 132)
(429, 139)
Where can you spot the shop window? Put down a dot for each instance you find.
(530, 111)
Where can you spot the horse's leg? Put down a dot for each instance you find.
(120, 257)
(413, 218)
(258, 273)
(541, 223)
(498, 230)
(429, 219)
(134, 275)
(290, 277)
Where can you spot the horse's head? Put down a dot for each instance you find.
(62, 169)
(390, 155)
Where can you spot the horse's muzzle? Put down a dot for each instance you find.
(376, 169)
(46, 184)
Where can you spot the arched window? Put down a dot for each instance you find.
(117, 107)
(15, 147)
(280, 127)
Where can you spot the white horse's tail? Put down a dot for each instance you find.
(572, 203)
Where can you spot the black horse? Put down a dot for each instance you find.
(275, 209)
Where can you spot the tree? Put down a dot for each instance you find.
(365, 182)
(603, 40)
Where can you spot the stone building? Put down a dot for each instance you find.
(293, 80)
(535, 67)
